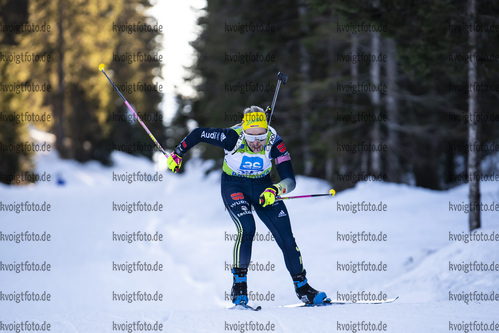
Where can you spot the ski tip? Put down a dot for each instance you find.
(327, 301)
(101, 67)
(332, 192)
(245, 307)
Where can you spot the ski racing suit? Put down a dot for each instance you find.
(245, 176)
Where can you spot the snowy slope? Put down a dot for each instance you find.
(196, 250)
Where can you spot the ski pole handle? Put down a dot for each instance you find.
(101, 68)
(332, 192)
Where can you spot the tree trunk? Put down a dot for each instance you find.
(473, 156)
(354, 67)
(60, 135)
(393, 167)
(305, 94)
(354, 73)
(329, 137)
(374, 73)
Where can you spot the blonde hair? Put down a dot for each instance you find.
(253, 108)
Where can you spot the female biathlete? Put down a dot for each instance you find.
(249, 149)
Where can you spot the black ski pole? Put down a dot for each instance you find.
(281, 78)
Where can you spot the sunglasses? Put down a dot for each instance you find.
(253, 138)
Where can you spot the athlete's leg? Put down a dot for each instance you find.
(276, 218)
(239, 210)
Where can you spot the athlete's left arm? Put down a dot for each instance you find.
(284, 167)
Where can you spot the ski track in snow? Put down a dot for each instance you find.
(195, 252)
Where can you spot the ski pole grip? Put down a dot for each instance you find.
(282, 77)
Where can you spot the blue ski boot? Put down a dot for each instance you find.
(305, 292)
(239, 292)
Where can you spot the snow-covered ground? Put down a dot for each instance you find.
(419, 254)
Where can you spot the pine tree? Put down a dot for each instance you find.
(77, 44)
(81, 101)
(136, 61)
(230, 80)
(14, 159)
(413, 114)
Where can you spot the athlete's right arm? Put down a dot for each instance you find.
(225, 138)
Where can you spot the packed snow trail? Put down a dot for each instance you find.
(105, 254)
